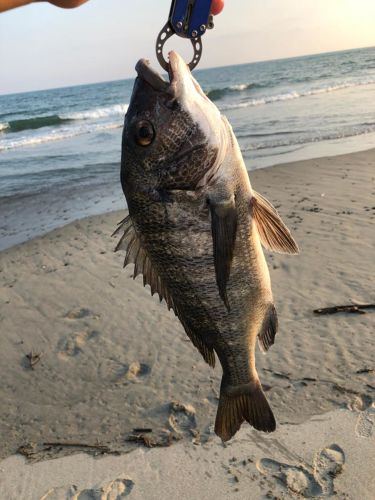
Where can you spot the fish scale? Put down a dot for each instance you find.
(195, 229)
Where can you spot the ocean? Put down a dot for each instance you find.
(60, 148)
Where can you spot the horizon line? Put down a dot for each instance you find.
(198, 70)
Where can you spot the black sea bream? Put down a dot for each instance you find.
(195, 229)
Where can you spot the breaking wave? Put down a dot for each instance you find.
(92, 114)
(20, 133)
(217, 94)
(295, 95)
(55, 135)
(37, 122)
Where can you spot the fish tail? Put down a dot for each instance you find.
(244, 402)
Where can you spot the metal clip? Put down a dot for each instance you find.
(187, 19)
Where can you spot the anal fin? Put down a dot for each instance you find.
(273, 233)
(206, 351)
(266, 336)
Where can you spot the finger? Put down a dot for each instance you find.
(217, 6)
(67, 4)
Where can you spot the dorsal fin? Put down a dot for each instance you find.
(135, 254)
(273, 233)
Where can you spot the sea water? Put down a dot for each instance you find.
(60, 148)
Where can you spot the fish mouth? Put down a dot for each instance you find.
(151, 76)
(178, 72)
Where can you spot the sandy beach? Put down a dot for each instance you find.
(103, 395)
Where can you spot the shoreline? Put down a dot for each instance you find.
(49, 210)
(113, 359)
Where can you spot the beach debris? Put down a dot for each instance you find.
(147, 441)
(62, 444)
(27, 450)
(162, 440)
(194, 231)
(365, 370)
(351, 308)
(33, 359)
(36, 451)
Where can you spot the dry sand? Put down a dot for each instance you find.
(110, 359)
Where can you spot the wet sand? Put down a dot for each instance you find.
(110, 359)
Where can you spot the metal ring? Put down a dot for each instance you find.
(198, 48)
(164, 35)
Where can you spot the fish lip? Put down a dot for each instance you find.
(176, 70)
(151, 76)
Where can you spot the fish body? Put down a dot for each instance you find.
(194, 231)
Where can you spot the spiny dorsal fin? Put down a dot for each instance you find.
(273, 233)
(224, 231)
(266, 336)
(135, 254)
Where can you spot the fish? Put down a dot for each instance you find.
(195, 230)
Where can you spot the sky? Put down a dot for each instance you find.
(43, 47)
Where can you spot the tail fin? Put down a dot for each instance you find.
(245, 402)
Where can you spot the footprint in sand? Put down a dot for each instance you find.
(366, 418)
(114, 370)
(327, 465)
(137, 370)
(79, 313)
(73, 344)
(182, 419)
(115, 490)
(295, 478)
(59, 494)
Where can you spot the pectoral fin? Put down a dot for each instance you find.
(224, 230)
(273, 233)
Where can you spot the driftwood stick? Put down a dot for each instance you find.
(34, 358)
(351, 308)
(78, 445)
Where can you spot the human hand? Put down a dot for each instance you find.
(12, 4)
(217, 6)
(67, 4)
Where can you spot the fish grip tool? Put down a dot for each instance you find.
(188, 19)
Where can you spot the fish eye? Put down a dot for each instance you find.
(144, 133)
